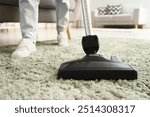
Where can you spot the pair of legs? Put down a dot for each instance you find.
(29, 20)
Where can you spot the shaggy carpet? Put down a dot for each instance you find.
(35, 77)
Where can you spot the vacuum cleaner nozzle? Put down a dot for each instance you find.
(94, 66)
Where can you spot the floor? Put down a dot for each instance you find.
(11, 35)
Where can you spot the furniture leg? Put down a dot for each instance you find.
(68, 31)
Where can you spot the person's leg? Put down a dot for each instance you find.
(62, 13)
(28, 23)
(29, 18)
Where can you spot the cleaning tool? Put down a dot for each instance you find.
(94, 66)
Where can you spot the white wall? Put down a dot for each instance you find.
(136, 3)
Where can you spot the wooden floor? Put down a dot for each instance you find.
(11, 35)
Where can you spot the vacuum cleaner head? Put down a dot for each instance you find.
(94, 66)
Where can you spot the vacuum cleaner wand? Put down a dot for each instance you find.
(86, 17)
(94, 66)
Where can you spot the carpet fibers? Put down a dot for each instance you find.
(35, 77)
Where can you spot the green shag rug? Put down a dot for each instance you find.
(36, 77)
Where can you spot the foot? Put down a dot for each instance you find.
(62, 39)
(24, 49)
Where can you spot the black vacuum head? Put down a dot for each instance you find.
(93, 67)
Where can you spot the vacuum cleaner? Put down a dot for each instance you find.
(94, 66)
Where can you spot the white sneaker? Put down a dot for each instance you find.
(24, 49)
(62, 39)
